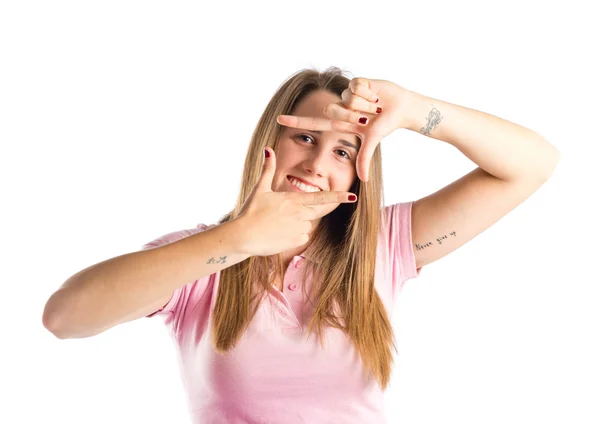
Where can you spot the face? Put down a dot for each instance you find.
(327, 160)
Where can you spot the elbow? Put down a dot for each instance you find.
(553, 158)
(51, 324)
(54, 329)
(51, 317)
(57, 325)
(59, 319)
(56, 317)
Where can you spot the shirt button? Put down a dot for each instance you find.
(293, 287)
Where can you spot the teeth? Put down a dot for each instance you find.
(303, 186)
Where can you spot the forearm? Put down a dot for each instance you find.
(102, 295)
(504, 149)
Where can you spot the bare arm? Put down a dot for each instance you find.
(136, 284)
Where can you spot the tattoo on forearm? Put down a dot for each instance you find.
(434, 118)
(220, 261)
(439, 240)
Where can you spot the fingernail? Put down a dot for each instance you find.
(363, 120)
(379, 110)
(351, 197)
(267, 154)
(377, 101)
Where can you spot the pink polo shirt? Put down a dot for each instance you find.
(273, 375)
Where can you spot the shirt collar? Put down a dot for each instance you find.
(310, 258)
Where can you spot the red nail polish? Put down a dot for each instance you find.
(363, 120)
(377, 101)
(351, 197)
(379, 110)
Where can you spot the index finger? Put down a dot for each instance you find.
(323, 197)
(315, 123)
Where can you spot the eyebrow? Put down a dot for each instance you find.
(344, 142)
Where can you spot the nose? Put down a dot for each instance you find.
(316, 163)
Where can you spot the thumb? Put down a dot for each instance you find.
(265, 180)
(363, 160)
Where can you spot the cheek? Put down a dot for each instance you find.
(283, 154)
(352, 179)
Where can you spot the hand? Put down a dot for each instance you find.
(278, 221)
(359, 100)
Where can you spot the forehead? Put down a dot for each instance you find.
(314, 105)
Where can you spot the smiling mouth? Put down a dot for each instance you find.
(289, 178)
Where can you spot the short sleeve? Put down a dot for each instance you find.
(398, 242)
(173, 310)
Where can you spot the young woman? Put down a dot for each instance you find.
(281, 310)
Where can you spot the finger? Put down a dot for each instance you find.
(335, 111)
(265, 180)
(323, 197)
(352, 101)
(307, 227)
(309, 213)
(361, 87)
(316, 124)
(363, 160)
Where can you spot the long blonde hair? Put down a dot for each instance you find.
(345, 241)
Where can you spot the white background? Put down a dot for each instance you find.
(121, 121)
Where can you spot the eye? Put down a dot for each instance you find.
(345, 154)
(304, 136)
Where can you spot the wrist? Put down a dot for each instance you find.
(415, 111)
(236, 237)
